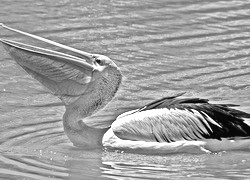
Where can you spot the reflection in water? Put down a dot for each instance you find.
(162, 47)
(117, 165)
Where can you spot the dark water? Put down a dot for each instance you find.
(162, 47)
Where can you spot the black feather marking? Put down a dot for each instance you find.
(185, 119)
(220, 120)
(169, 101)
(157, 103)
(156, 138)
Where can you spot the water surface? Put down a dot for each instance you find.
(163, 47)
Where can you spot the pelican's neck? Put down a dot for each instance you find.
(79, 133)
(82, 135)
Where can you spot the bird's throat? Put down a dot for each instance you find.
(75, 121)
(102, 92)
(80, 134)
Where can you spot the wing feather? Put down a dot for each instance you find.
(64, 75)
(161, 125)
(170, 119)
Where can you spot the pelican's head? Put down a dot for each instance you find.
(101, 61)
(85, 82)
(105, 66)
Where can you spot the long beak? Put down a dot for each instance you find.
(78, 52)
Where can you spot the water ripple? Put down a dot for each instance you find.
(162, 47)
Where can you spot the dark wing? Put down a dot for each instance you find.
(65, 76)
(173, 119)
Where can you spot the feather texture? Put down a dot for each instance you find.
(173, 119)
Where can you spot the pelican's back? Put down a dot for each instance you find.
(174, 119)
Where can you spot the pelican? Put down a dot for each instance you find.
(87, 82)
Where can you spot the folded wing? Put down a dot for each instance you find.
(172, 119)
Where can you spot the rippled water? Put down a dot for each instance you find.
(162, 47)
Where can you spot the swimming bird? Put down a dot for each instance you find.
(87, 82)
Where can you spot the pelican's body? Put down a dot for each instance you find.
(168, 125)
(174, 124)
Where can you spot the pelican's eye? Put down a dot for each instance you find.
(98, 61)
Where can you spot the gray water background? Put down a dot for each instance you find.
(163, 47)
